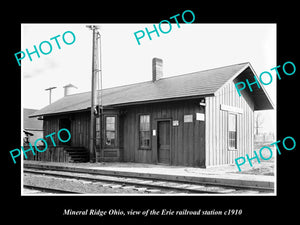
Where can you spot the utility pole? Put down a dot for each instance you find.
(95, 82)
(50, 89)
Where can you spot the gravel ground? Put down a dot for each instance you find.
(82, 186)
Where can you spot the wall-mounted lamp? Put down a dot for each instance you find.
(202, 102)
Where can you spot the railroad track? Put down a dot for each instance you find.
(49, 190)
(85, 183)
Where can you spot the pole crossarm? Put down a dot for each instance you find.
(50, 92)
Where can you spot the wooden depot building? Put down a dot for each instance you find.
(196, 119)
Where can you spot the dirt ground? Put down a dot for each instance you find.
(265, 167)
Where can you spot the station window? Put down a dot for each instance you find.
(232, 131)
(110, 131)
(144, 132)
(98, 137)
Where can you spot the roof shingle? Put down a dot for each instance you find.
(200, 83)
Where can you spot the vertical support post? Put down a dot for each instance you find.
(96, 68)
(99, 96)
(50, 93)
(93, 103)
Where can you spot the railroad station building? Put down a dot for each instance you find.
(195, 119)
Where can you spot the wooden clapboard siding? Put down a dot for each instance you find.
(217, 152)
(53, 154)
(80, 128)
(121, 137)
(187, 139)
(197, 143)
(51, 126)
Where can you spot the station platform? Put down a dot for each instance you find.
(227, 175)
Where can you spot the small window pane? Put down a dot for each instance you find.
(110, 126)
(110, 131)
(97, 124)
(97, 138)
(110, 135)
(144, 132)
(110, 138)
(232, 131)
(232, 122)
(110, 123)
(144, 139)
(110, 119)
(144, 122)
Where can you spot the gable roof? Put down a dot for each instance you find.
(197, 84)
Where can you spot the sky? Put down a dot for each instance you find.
(190, 48)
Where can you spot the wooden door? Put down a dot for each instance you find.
(65, 123)
(163, 142)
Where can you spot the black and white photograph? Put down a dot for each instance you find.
(173, 115)
(147, 116)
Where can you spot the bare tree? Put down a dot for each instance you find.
(258, 121)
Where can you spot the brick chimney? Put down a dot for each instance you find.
(157, 69)
(69, 89)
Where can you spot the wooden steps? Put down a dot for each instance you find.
(77, 154)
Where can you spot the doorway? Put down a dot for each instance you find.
(65, 123)
(164, 142)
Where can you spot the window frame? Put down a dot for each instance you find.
(115, 131)
(98, 131)
(235, 148)
(140, 147)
